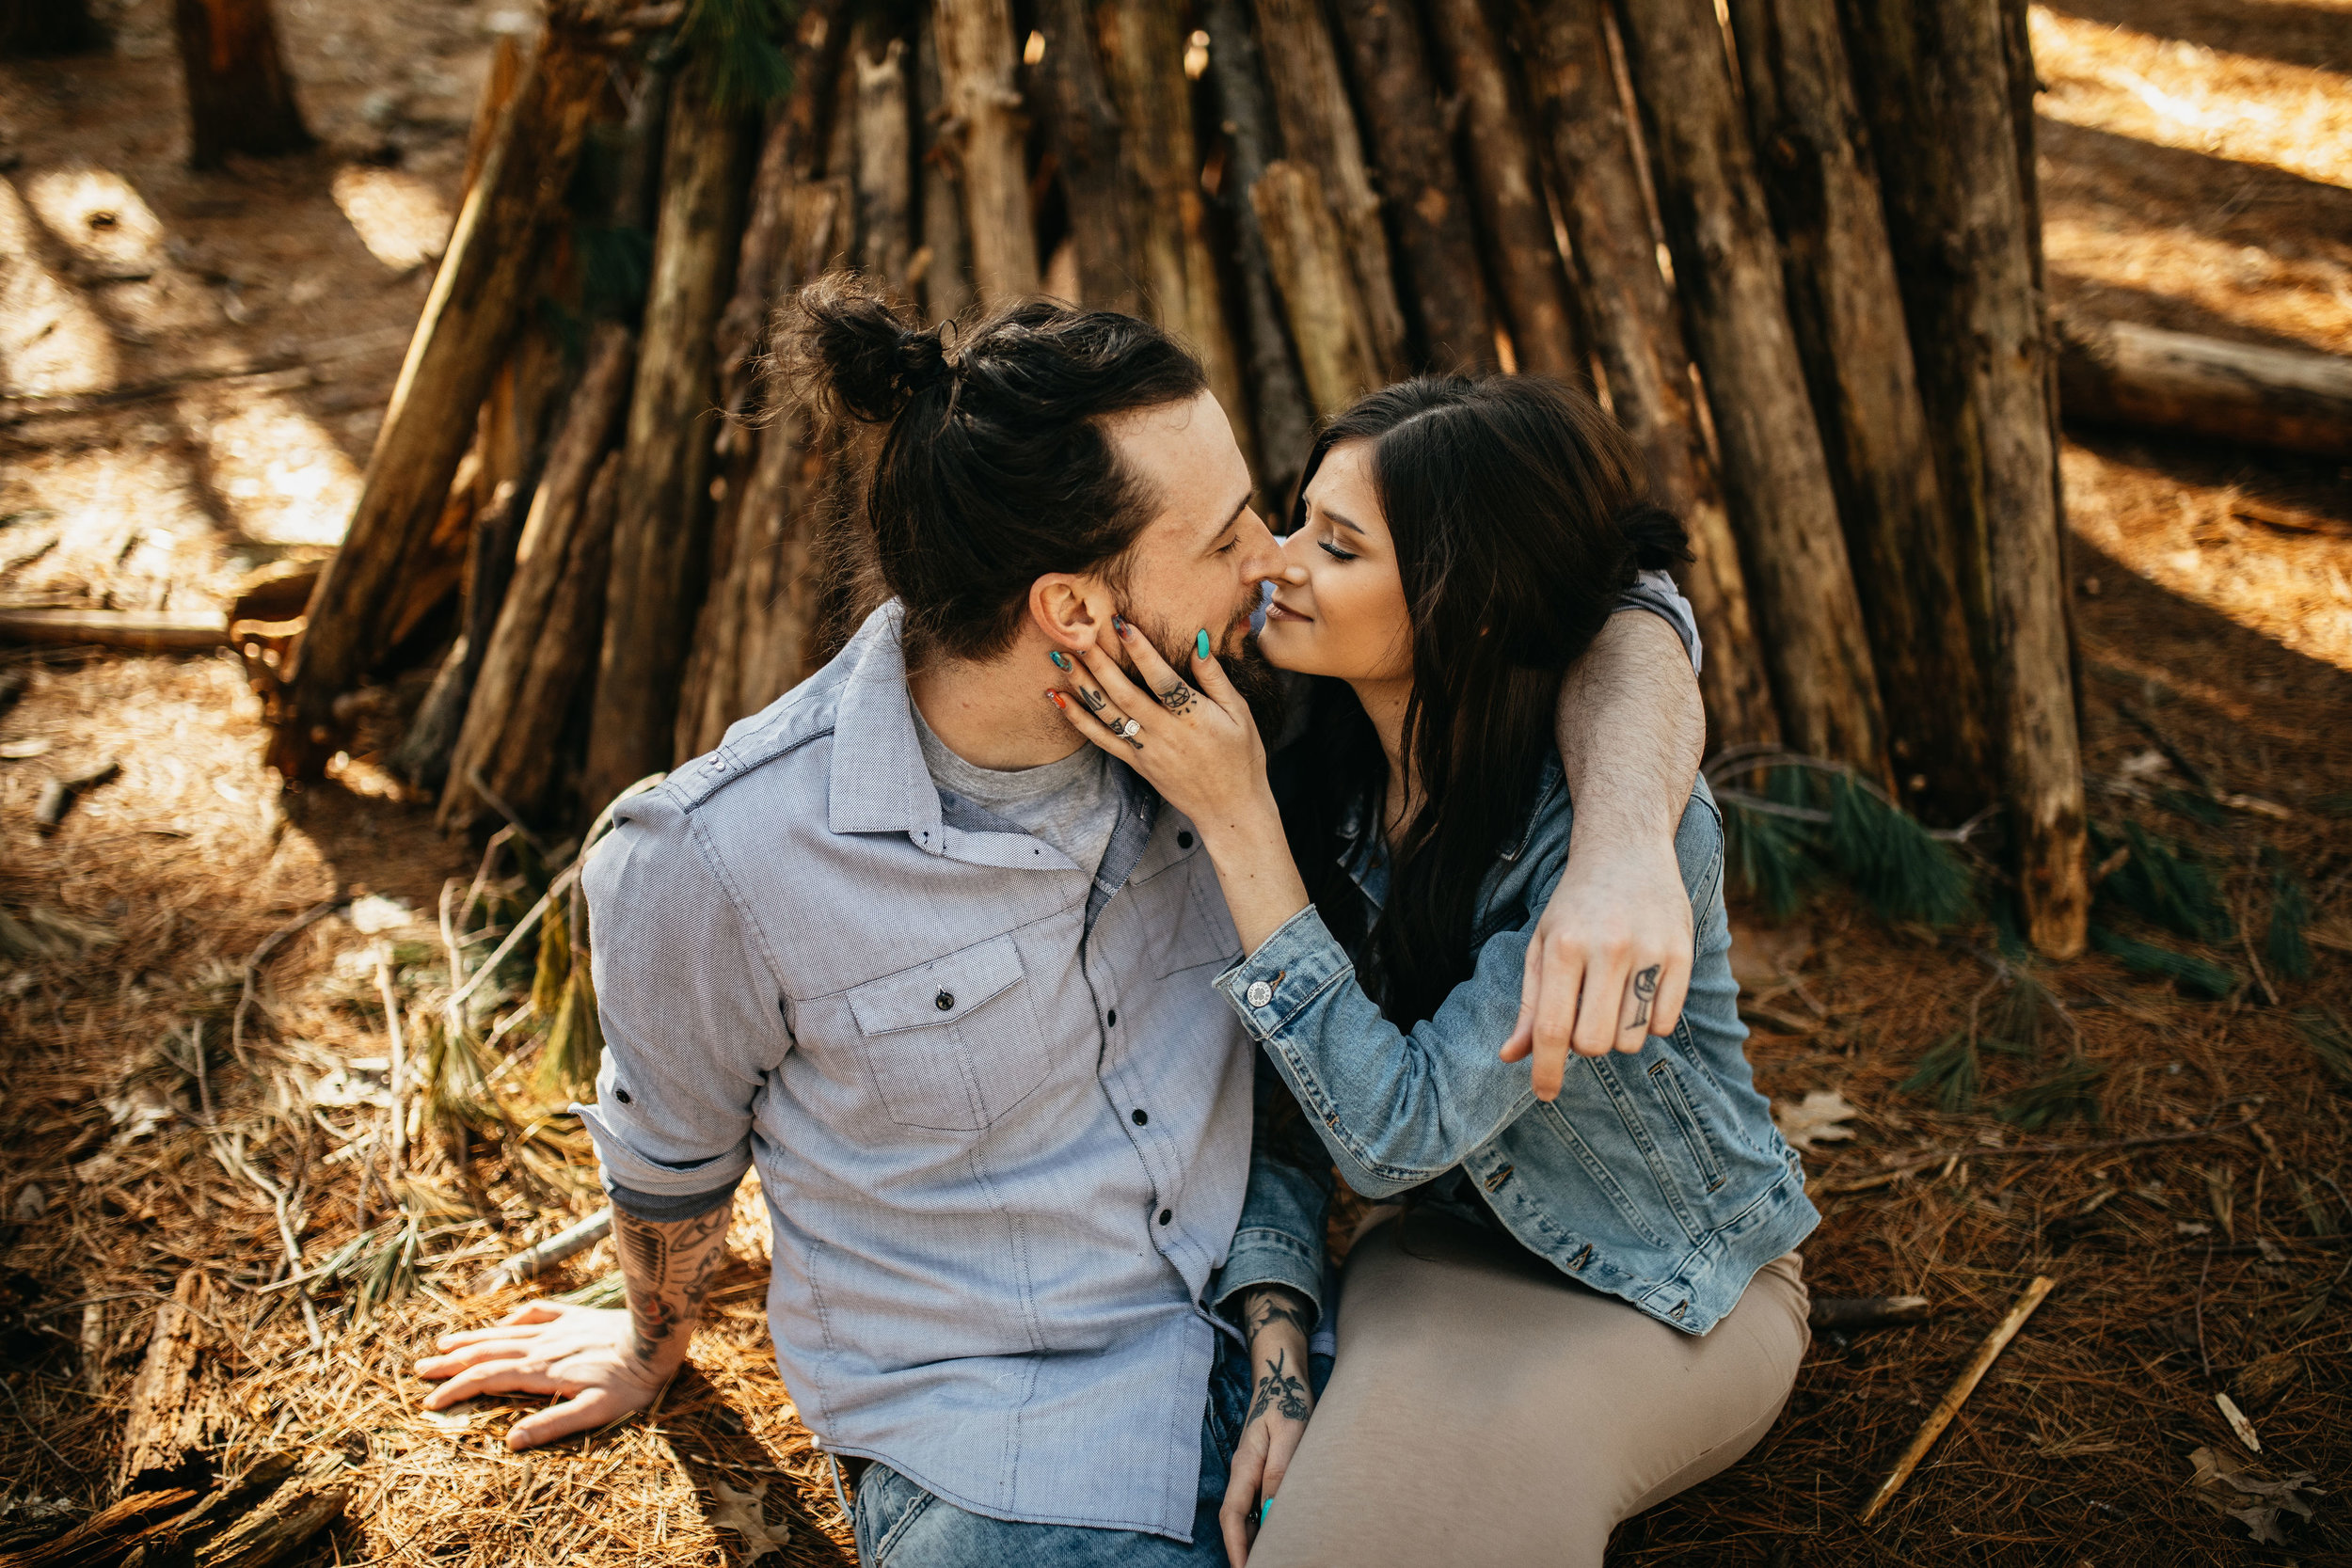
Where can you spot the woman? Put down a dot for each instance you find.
(1583, 1305)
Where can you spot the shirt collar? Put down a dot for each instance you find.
(877, 783)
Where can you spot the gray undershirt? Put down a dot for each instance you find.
(1073, 804)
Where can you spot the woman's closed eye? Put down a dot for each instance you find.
(1334, 551)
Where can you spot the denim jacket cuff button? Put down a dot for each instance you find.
(1260, 994)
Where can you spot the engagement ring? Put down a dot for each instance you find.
(1126, 729)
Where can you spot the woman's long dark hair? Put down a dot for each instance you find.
(1518, 510)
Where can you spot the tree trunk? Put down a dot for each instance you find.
(523, 770)
(1522, 245)
(31, 29)
(161, 1433)
(1637, 335)
(661, 540)
(886, 159)
(2122, 374)
(1934, 87)
(1283, 423)
(240, 99)
(1846, 309)
(1440, 278)
(1728, 269)
(545, 558)
(1143, 49)
(976, 52)
(1083, 132)
(1319, 134)
(945, 273)
(1307, 256)
(460, 340)
(498, 91)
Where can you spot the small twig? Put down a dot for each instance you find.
(514, 818)
(2179, 758)
(27, 1421)
(535, 1260)
(1949, 1406)
(1893, 1173)
(253, 966)
(203, 1075)
(2197, 1309)
(400, 1064)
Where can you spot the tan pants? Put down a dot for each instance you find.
(1486, 1411)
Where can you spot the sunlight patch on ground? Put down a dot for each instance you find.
(281, 476)
(2179, 94)
(51, 344)
(2307, 298)
(2295, 588)
(400, 218)
(95, 213)
(120, 527)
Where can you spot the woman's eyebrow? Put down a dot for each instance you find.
(1335, 517)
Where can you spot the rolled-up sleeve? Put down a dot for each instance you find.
(691, 1013)
(1656, 593)
(1279, 1240)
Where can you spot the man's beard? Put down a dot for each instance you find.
(1259, 682)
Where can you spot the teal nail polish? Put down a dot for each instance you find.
(1061, 661)
(1200, 644)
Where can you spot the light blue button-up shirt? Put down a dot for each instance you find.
(1001, 1117)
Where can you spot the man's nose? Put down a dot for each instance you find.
(1262, 553)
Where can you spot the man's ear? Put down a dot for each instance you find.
(1074, 611)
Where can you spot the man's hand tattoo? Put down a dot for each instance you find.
(1280, 1388)
(1644, 993)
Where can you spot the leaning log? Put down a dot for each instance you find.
(661, 541)
(1283, 424)
(165, 1423)
(943, 272)
(1938, 101)
(884, 175)
(1082, 129)
(1309, 258)
(477, 298)
(490, 740)
(1319, 134)
(976, 51)
(2147, 378)
(1509, 197)
(1727, 268)
(1636, 330)
(1847, 311)
(564, 660)
(1438, 274)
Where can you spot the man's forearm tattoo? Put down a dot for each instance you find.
(1262, 1308)
(1644, 993)
(1280, 1388)
(668, 1269)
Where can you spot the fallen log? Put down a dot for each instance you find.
(165, 1424)
(1636, 332)
(1440, 277)
(144, 630)
(476, 299)
(105, 1536)
(1775, 473)
(2122, 374)
(286, 1522)
(1845, 1314)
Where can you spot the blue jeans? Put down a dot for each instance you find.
(898, 1525)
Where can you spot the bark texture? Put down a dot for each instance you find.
(240, 99)
(1083, 129)
(1440, 278)
(944, 275)
(165, 1424)
(976, 52)
(1846, 308)
(1319, 134)
(662, 539)
(1508, 194)
(1942, 115)
(1307, 256)
(1727, 270)
(885, 162)
(459, 344)
(1637, 338)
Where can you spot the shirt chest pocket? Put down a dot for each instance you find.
(953, 1044)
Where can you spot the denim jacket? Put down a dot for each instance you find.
(1656, 1177)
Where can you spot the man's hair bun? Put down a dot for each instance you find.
(855, 352)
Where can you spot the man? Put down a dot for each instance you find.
(947, 981)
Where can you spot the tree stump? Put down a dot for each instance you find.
(240, 99)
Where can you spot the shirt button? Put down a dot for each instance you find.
(1141, 1117)
(621, 1095)
(944, 1001)
(1167, 1215)
(1260, 994)
(1183, 841)
(1112, 1019)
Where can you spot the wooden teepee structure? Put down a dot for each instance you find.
(1797, 254)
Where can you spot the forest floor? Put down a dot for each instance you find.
(192, 368)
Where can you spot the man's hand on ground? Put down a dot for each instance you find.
(1610, 961)
(579, 1354)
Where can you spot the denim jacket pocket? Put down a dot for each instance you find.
(954, 1043)
(1668, 1087)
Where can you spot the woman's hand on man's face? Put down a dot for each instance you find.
(1192, 739)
